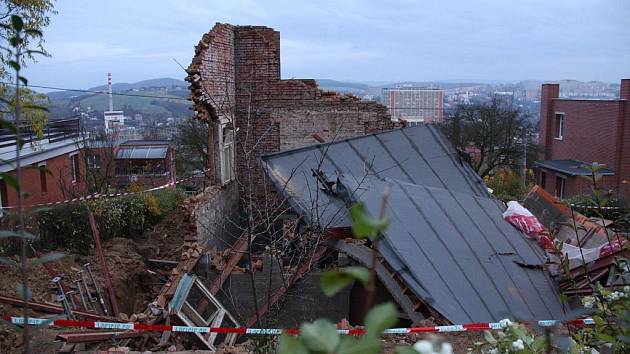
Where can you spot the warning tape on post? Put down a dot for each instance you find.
(469, 327)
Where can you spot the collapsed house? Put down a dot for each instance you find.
(269, 226)
(286, 161)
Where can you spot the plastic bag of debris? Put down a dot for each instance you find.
(526, 222)
(580, 255)
(523, 219)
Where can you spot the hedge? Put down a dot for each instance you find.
(67, 226)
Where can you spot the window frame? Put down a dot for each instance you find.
(74, 167)
(227, 153)
(93, 161)
(558, 128)
(4, 195)
(563, 186)
(43, 183)
(543, 179)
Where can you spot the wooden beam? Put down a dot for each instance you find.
(239, 248)
(104, 269)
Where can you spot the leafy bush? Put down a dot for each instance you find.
(67, 226)
(506, 185)
(59, 228)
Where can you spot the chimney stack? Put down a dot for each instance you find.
(624, 92)
(109, 90)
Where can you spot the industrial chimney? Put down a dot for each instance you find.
(109, 90)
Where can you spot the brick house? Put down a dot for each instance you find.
(51, 167)
(236, 88)
(577, 132)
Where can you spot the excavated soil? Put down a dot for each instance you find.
(135, 280)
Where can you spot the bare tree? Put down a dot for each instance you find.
(493, 135)
(98, 158)
(191, 146)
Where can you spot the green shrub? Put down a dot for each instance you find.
(60, 227)
(67, 226)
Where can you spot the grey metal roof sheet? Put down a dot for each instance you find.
(419, 155)
(571, 167)
(448, 240)
(461, 253)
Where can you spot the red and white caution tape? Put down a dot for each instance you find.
(277, 331)
(110, 195)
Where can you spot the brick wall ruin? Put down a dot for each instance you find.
(235, 77)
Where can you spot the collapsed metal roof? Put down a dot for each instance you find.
(419, 155)
(447, 240)
(465, 260)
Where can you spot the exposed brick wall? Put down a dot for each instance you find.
(590, 131)
(594, 131)
(270, 114)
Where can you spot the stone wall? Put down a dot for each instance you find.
(214, 216)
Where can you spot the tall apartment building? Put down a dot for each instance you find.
(415, 105)
(578, 132)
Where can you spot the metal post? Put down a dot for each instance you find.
(63, 298)
(88, 293)
(98, 290)
(80, 290)
(524, 162)
(69, 296)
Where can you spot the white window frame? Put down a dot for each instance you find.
(91, 165)
(73, 169)
(560, 129)
(564, 186)
(226, 152)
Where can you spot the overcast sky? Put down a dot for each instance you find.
(358, 40)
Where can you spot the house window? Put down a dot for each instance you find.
(560, 184)
(4, 197)
(42, 178)
(94, 161)
(543, 179)
(74, 167)
(559, 126)
(227, 154)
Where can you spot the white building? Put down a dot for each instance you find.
(415, 105)
(114, 120)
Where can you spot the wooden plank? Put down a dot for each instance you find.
(104, 270)
(239, 248)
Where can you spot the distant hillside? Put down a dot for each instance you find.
(120, 87)
(162, 82)
(63, 102)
